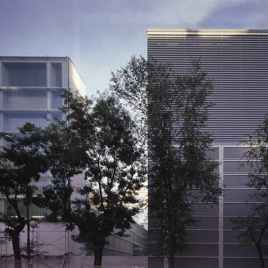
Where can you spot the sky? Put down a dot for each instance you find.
(100, 36)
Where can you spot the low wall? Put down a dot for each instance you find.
(80, 262)
(109, 262)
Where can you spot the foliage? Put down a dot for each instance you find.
(115, 172)
(98, 140)
(253, 227)
(181, 173)
(35, 249)
(180, 170)
(21, 163)
(131, 84)
(65, 144)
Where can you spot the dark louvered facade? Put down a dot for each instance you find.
(237, 63)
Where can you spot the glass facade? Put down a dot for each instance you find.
(30, 91)
(24, 74)
(134, 244)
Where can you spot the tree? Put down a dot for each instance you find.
(115, 173)
(132, 83)
(101, 138)
(66, 142)
(21, 164)
(180, 171)
(254, 226)
(253, 230)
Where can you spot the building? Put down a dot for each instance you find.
(30, 91)
(237, 63)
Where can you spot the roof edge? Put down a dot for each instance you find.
(207, 31)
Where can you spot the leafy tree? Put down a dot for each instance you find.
(180, 171)
(65, 144)
(253, 228)
(21, 163)
(99, 139)
(132, 83)
(115, 173)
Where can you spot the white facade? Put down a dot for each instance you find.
(30, 91)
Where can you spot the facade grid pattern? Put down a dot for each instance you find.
(30, 91)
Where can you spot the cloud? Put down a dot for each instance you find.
(182, 13)
(208, 14)
(246, 14)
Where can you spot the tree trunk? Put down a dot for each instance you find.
(171, 262)
(259, 249)
(16, 249)
(17, 263)
(98, 257)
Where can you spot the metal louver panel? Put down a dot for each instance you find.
(237, 64)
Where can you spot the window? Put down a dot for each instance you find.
(56, 75)
(24, 74)
(25, 99)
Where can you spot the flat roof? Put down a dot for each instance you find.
(35, 57)
(209, 31)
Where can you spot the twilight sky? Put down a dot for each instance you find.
(102, 35)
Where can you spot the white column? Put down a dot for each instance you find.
(221, 159)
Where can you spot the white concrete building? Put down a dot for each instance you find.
(30, 91)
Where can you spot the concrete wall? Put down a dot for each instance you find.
(80, 262)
